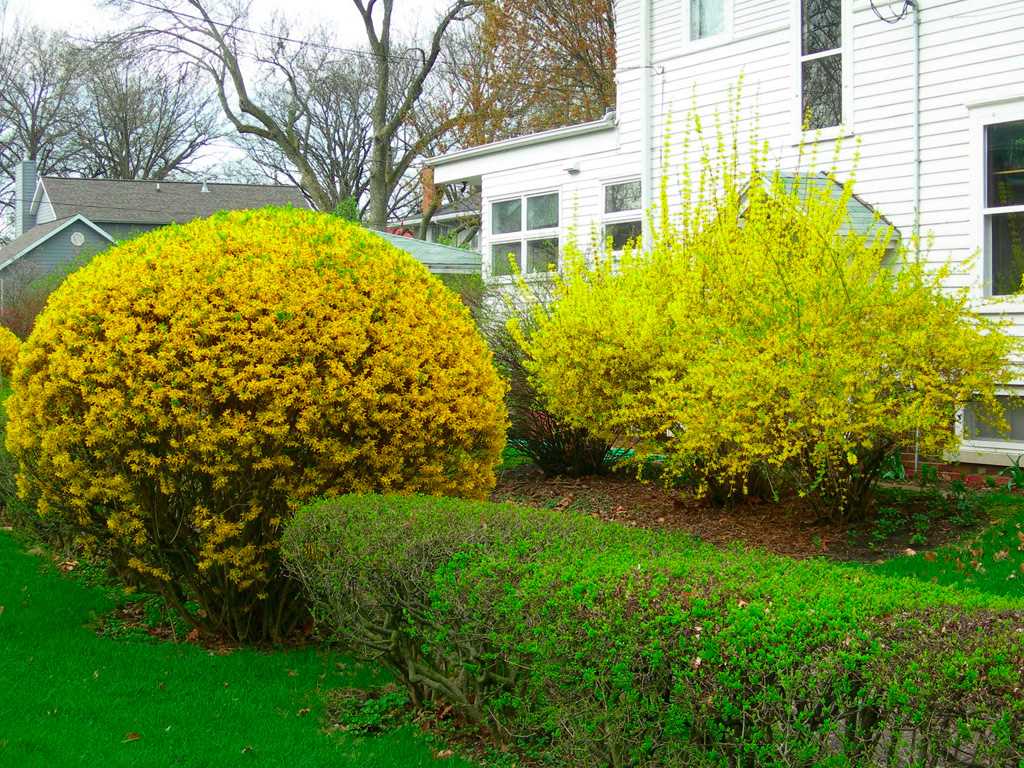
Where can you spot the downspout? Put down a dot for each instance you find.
(646, 123)
(916, 118)
(915, 112)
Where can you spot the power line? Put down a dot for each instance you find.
(285, 38)
(893, 18)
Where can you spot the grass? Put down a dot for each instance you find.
(72, 698)
(990, 561)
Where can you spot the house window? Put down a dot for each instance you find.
(623, 217)
(706, 18)
(821, 63)
(524, 227)
(977, 429)
(1003, 207)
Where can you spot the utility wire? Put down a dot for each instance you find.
(893, 18)
(227, 25)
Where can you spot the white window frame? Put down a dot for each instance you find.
(845, 50)
(988, 451)
(983, 115)
(724, 36)
(523, 237)
(620, 217)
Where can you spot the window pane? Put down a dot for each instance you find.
(707, 18)
(542, 255)
(1006, 232)
(506, 217)
(822, 25)
(1005, 149)
(622, 197)
(500, 265)
(823, 92)
(1013, 410)
(542, 211)
(622, 232)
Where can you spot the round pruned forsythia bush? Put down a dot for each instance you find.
(585, 643)
(183, 391)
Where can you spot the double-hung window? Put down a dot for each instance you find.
(623, 217)
(707, 20)
(524, 232)
(823, 64)
(1003, 206)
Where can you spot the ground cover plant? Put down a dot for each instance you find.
(991, 560)
(769, 338)
(185, 389)
(72, 697)
(588, 643)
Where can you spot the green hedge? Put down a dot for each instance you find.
(588, 643)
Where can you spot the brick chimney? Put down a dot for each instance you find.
(25, 178)
(429, 188)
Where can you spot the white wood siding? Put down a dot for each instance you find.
(972, 53)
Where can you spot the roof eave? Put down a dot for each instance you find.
(556, 134)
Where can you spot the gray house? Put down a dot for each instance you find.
(59, 221)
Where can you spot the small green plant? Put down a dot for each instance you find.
(892, 469)
(888, 522)
(364, 712)
(1014, 474)
(348, 209)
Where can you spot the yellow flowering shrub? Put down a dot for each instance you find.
(767, 334)
(10, 346)
(182, 393)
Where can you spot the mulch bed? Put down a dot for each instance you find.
(786, 527)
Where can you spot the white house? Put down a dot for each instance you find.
(932, 90)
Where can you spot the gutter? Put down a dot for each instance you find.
(646, 127)
(556, 134)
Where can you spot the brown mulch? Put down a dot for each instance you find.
(786, 527)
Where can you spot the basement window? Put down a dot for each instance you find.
(525, 226)
(822, 65)
(977, 430)
(1003, 209)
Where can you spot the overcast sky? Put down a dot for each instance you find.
(85, 18)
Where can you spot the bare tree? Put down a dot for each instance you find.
(137, 119)
(300, 140)
(391, 110)
(332, 127)
(36, 104)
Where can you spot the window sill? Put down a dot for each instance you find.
(533, 277)
(1000, 454)
(804, 138)
(699, 46)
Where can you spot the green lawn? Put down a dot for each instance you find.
(69, 697)
(991, 561)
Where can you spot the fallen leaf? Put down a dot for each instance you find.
(564, 503)
(292, 673)
(246, 749)
(131, 736)
(929, 556)
(444, 754)
(303, 712)
(67, 566)
(909, 552)
(1001, 555)
(193, 636)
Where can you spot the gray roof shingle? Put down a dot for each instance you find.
(151, 202)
